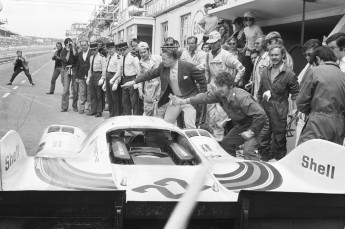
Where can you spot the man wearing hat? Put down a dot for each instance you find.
(95, 80)
(113, 94)
(82, 69)
(151, 88)
(219, 60)
(129, 69)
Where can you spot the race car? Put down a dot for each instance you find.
(156, 161)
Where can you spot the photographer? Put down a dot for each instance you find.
(57, 68)
(21, 64)
(69, 57)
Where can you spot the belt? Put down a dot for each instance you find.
(130, 76)
(111, 72)
(97, 72)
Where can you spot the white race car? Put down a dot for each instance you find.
(156, 161)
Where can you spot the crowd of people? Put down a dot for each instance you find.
(240, 85)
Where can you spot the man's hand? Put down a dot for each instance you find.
(100, 82)
(104, 88)
(175, 100)
(128, 84)
(87, 81)
(141, 94)
(114, 87)
(248, 85)
(247, 135)
(267, 95)
(112, 80)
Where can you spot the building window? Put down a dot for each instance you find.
(186, 30)
(121, 38)
(164, 32)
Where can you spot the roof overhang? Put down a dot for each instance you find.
(276, 12)
(135, 21)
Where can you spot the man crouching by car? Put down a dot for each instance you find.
(250, 120)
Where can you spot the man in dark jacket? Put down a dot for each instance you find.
(321, 98)
(57, 68)
(250, 120)
(277, 83)
(82, 69)
(20, 64)
(178, 79)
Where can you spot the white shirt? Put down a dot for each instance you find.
(173, 80)
(112, 63)
(198, 59)
(342, 64)
(99, 65)
(85, 54)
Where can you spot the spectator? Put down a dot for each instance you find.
(249, 118)
(113, 91)
(208, 23)
(275, 38)
(233, 49)
(21, 64)
(308, 48)
(252, 32)
(239, 33)
(331, 43)
(151, 88)
(223, 33)
(174, 83)
(134, 47)
(57, 68)
(69, 57)
(219, 3)
(278, 81)
(341, 46)
(193, 54)
(82, 69)
(322, 98)
(169, 41)
(95, 79)
(205, 47)
(253, 56)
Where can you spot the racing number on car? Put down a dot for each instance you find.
(160, 185)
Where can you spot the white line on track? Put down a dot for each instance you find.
(5, 95)
(15, 87)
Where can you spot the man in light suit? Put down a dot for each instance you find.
(178, 78)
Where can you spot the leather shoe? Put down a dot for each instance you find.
(9, 83)
(75, 109)
(98, 115)
(50, 93)
(63, 110)
(90, 114)
(32, 83)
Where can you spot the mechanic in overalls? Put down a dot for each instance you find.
(219, 60)
(250, 120)
(277, 83)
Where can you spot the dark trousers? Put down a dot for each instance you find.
(130, 98)
(95, 93)
(249, 68)
(274, 143)
(57, 71)
(113, 97)
(19, 70)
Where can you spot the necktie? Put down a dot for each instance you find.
(108, 62)
(123, 67)
(93, 60)
(192, 54)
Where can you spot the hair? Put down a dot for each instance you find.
(67, 40)
(224, 78)
(278, 46)
(169, 38)
(254, 52)
(136, 40)
(204, 45)
(194, 38)
(324, 53)
(341, 43)
(334, 37)
(19, 51)
(311, 43)
(83, 40)
(209, 5)
(224, 27)
(176, 43)
(172, 53)
(233, 39)
(239, 21)
(99, 41)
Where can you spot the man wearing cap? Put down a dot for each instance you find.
(69, 57)
(82, 69)
(178, 79)
(129, 69)
(95, 79)
(219, 60)
(151, 88)
(113, 94)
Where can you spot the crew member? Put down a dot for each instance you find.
(178, 78)
(57, 68)
(21, 64)
(250, 120)
(95, 79)
(321, 98)
(277, 83)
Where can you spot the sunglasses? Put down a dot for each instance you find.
(232, 43)
(248, 19)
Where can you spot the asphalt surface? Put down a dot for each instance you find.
(29, 110)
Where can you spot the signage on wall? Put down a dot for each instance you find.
(195, 29)
(157, 6)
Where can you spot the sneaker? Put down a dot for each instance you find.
(63, 110)
(10, 83)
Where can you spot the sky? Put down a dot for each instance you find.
(46, 18)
